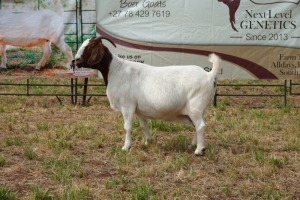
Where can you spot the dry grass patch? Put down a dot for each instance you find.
(49, 151)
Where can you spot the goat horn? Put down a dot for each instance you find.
(104, 38)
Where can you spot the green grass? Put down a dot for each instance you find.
(62, 170)
(180, 143)
(30, 154)
(141, 191)
(7, 194)
(2, 160)
(24, 58)
(13, 141)
(42, 126)
(75, 193)
(38, 193)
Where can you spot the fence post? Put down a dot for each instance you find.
(291, 85)
(27, 87)
(285, 93)
(215, 99)
(85, 86)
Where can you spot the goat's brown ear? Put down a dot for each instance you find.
(97, 54)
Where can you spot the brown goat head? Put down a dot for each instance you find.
(92, 54)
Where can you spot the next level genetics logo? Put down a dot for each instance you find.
(268, 19)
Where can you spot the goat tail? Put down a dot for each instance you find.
(216, 61)
(59, 7)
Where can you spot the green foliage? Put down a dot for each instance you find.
(62, 170)
(31, 56)
(259, 156)
(167, 126)
(13, 141)
(141, 191)
(2, 160)
(7, 194)
(42, 126)
(75, 193)
(180, 144)
(38, 193)
(30, 154)
(278, 162)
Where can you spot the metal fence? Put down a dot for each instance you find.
(281, 93)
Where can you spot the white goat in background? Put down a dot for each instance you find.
(173, 93)
(34, 28)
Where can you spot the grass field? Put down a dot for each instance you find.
(53, 151)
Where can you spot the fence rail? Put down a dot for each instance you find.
(74, 86)
(294, 86)
(73, 92)
(282, 87)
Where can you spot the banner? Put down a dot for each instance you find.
(257, 39)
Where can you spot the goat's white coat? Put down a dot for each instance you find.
(33, 28)
(173, 93)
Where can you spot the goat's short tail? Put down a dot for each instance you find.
(216, 61)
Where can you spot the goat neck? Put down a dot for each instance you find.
(104, 65)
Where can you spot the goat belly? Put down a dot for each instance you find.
(166, 116)
(164, 109)
(24, 42)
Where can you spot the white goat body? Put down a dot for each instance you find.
(157, 92)
(33, 28)
(173, 93)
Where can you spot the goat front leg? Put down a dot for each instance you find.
(62, 46)
(194, 141)
(3, 54)
(128, 117)
(200, 150)
(143, 123)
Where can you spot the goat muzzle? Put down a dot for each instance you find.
(72, 65)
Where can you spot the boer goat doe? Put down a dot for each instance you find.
(173, 93)
(34, 28)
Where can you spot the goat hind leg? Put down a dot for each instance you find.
(199, 136)
(143, 123)
(3, 54)
(46, 55)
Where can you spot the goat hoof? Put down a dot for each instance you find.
(200, 152)
(3, 67)
(148, 141)
(126, 148)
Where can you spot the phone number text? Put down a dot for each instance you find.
(141, 13)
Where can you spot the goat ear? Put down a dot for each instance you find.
(97, 54)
